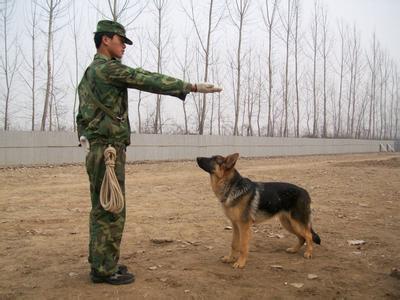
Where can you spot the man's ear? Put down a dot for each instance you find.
(230, 160)
(105, 40)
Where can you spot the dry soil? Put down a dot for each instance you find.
(176, 233)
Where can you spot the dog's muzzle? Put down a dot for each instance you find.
(204, 163)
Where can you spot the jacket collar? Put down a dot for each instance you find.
(102, 56)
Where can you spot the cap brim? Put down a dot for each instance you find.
(127, 41)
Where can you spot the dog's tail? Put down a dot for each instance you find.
(315, 237)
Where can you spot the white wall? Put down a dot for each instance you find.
(40, 148)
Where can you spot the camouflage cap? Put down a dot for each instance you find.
(114, 27)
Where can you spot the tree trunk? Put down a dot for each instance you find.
(139, 114)
(339, 121)
(296, 63)
(207, 57)
(372, 65)
(76, 69)
(325, 51)
(157, 122)
(49, 66)
(315, 49)
(269, 22)
(286, 87)
(33, 88)
(238, 78)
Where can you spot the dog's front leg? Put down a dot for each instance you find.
(234, 245)
(245, 234)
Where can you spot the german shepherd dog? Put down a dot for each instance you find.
(246, 202)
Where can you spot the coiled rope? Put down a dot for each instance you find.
(111, 196)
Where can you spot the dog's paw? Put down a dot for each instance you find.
(239, 264)
(307, 255)
(292, 250)
(227, 259)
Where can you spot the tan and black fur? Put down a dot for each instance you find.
(246, 202)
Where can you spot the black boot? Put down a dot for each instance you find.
(121, 276)
(122, 269)
(114, 279)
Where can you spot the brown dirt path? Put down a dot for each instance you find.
(44, 233)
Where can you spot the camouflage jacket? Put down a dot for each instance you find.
(108, 80)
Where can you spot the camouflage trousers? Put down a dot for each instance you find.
(105, 228)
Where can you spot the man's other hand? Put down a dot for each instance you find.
(206, 88)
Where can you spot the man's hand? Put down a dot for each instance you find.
(84, 142)
(206, 88)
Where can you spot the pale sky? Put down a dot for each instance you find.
(381, 16)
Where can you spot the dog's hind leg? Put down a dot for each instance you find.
(234, 245)
(286, 223)
(305, 232)
(309, 241)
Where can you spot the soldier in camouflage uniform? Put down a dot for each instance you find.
(103, 119)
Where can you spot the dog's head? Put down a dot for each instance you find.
(218, 165)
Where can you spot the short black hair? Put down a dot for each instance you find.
(98, 36)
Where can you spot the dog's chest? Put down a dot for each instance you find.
(234, 213)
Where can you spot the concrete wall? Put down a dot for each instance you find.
(39, 148)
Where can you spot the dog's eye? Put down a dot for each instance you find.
(219, 160)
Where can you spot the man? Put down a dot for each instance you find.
(103, 120)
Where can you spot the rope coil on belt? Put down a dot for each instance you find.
(111, 196)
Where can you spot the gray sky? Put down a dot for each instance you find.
(380, 16)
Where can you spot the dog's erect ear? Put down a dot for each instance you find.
(230, 160)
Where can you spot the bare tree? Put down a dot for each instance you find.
(238, 15)
(205, 41)
(57, 94)
(9, 58)
(296, 65)
(53, 9)
(324, 52)
(216, 78)
(140, 60)
(260, 86)
(372, 62)
(57, 111)
(249, 97)
(31, 28)
(196, 96)
(76, 78)
(361, 118)
(125, 11)
(215, 107)
(392, 99)
(287, 25)
(334, 112)
(315, 47)
(341, 76)
(355, 57)
(184, 66)
(269, 21)
(160, 45)
(384, 72)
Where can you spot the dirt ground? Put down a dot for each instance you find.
(176, 233)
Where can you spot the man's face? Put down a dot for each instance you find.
(115, 46)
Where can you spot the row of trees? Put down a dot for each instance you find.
(284, 72)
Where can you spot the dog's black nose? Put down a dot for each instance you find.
(201, 161)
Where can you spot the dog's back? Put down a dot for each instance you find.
(276, 197)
